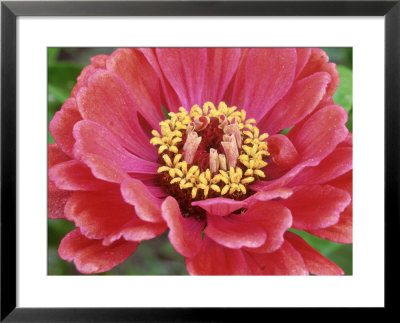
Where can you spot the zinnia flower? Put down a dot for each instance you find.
(218, 172)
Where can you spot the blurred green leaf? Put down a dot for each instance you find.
(61, 79)
(349, 123)
(165, 111)
(340, 55)
(57, 229)
(153, 257)
(52, 53)
(285, 131)
(58, 94)
(344, 93)
(50, 138)
(83, 55)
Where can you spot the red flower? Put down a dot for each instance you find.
(217, 173)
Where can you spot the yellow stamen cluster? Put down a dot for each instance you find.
(254, 148)
(171, 132)
(200, 183)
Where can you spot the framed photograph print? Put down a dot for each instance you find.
(187, 160)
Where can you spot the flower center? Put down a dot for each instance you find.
(209, 152)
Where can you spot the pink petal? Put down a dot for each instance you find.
(75, 176)
(297, 127)
(337, 163)
(109, 101)
(335, 79)
(156, 191)
(55, 155)
(321, 133)
(184, 233)
(316, 263)
(302, 98)
(220, 206)
(238, 82)
(282, 151)
(317, 59)
(136, 230)
(105, 215)
(56, 198)
(98, 214)
(234, 231)
(90, 256)
(171, 100)
(223, 207)
(303, 55)
(98, 148)
(185, 69)
(62, 124)
(283, 156)
(316, 206)
(284, 261)
(82, 79)
(147, 179)
(262, 196)
(285, 179)
(344, 182)
(318, 62)
(222, 64)
(341, 232)
(99, 61)
(269, 74)
(134, 69)
(348, 142)
(274, 218)
(96, 62)
(148, 207)
(214, 259)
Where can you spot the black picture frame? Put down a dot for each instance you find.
(11, 10)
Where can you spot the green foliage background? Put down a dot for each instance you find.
(157, 256)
